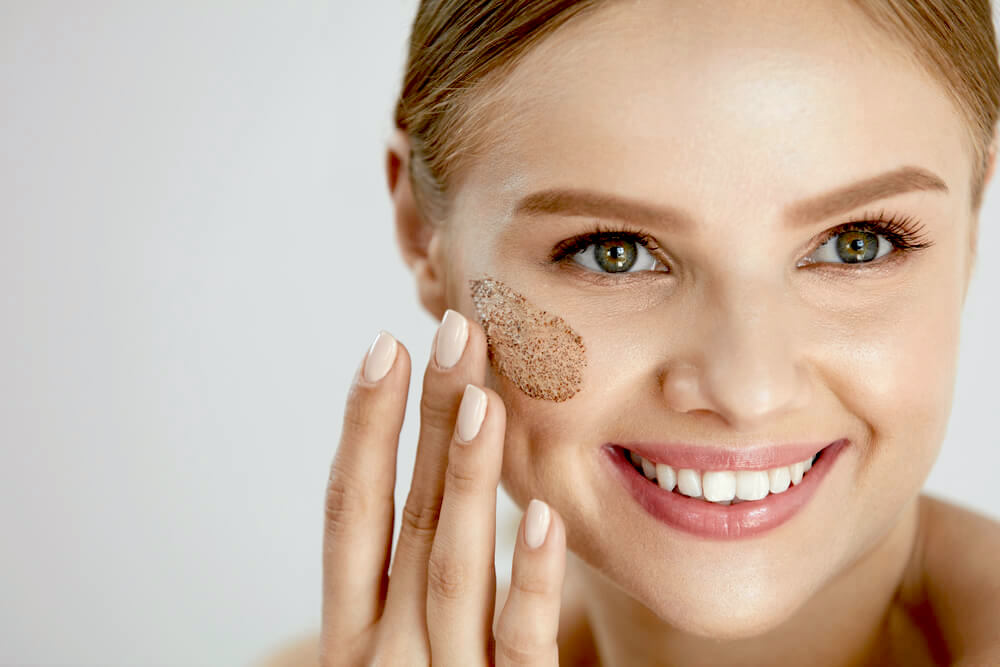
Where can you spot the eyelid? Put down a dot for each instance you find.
(601, 233)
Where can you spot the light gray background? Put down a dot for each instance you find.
(195, 252)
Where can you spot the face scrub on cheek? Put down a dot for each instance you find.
(534, 349)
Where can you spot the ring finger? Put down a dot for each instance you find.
(461, 588)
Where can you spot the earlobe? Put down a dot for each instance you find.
(991, 161)
(989, 170)
(431, 280)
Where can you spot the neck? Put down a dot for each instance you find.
(844, 623)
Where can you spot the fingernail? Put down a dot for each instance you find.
(380, 357)
(451, 338)
(471, 413)
(536, 523)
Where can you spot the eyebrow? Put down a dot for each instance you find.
(569, 201)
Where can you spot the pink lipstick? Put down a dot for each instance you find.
(707, 519)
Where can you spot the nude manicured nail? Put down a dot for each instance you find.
(536, 523)
(451, 338)
(380, 357)
(471, 413)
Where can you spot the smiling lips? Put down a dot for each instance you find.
(723, 494)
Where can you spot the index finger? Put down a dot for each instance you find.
(357, 536)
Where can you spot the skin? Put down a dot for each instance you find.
(732, 116)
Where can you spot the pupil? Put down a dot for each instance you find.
(857, 246)
(616, 255)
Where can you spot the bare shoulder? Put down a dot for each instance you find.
(302, 651)
(961, 579)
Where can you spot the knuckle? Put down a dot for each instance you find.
(346, 502)
(532, 583)
(446, 577)
(362, 412)
(420, 521)
(462, 476)
(438, 411)
(516, 647)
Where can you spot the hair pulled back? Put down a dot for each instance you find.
(460, 50)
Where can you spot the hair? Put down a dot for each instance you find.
(460, 51)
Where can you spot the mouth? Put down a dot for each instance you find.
(741, 501)
(724, 487)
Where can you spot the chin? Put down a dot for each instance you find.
(727, 613)
(712, 598)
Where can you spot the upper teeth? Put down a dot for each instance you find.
(723, 486)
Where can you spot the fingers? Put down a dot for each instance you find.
(359, 512)
(458, 358)
(528, 625)
(461, 582)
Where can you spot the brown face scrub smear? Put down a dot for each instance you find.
(534, 349)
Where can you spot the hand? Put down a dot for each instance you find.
(438, 604)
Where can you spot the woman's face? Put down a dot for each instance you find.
(725, 129)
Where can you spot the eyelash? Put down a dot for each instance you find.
(905, 233)
(573, 245)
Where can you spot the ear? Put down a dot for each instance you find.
(991, 163)
(991, 160)
(419, 241)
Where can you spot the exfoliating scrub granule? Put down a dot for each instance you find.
(534, 349)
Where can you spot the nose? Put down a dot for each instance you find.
(741, 360)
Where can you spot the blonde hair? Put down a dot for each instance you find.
(460, 51)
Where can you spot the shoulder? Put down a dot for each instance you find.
(959, 578)
(302, 651)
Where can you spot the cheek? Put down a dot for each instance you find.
(539, 459)
(537, 362)
(895, 371)
(537, 351)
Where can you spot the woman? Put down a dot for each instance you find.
(700, 269)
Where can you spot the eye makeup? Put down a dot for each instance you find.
(532, 348)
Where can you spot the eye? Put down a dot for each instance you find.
(864, 241)
(610, 252)
(860, 242)
(616, 255)
(853, 247)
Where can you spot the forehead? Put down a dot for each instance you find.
(768, 101)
